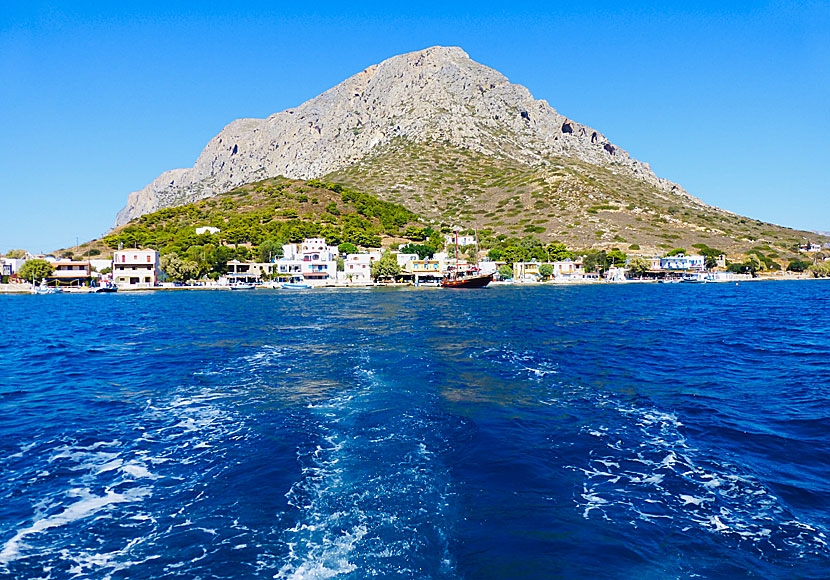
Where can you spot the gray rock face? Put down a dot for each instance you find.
(434, 94)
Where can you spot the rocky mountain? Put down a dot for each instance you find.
(437, 95)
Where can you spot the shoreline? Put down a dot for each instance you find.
(28, 289)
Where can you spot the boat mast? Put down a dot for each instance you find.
(456, 253)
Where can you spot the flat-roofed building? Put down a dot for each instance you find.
(250, 272)
(135, 268)
(319, 261)
(69, 273)
(357, 268)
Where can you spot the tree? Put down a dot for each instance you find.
(513, 254)
(341, 264)
(616, 257)
(219, 260)
(386, 267)
(533, 249)
(749, 266)
(347, 248)
(415, 233)
(819, 270)
(16, 254)
(798, 265)
(711, 262)
(676, 251)
(546, 271)
(505, 272)
(178, 269)
(558, 252)
(423, 251)
(436, 240)
(470, 252)
(269, 250)
(494, 254)
(595, 261)
(35, 270)
(638, 266)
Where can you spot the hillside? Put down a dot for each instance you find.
(279, 210)
(558, 198)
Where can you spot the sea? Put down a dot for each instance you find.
(626, 431)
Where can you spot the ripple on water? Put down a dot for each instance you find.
(642, 470)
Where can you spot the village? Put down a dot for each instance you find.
(313, 263)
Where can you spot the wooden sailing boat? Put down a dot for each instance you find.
(470, 277)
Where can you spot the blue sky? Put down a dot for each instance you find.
(96, 100)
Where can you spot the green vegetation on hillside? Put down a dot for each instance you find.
(274, 211)
(557, 198)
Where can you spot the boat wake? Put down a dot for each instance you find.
(374, 496)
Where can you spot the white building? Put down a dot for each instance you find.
(357, 268)
(9, 266)
(135, 268)
(562, 269)
(404, 259)
(69, 273)
(319, 261)
(249, 272)
(207, 230)
(684, 263)
(289, 270)
(463, 240)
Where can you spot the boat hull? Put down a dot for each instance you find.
(470, 282)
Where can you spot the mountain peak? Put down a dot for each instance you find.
(438, 95)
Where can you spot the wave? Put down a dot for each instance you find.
(642, 470)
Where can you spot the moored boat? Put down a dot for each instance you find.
(467, 281)
(463, 275)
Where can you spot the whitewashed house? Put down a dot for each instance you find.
(683, 263)
(357, 268)
(319, 261)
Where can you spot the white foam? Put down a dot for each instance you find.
(645, 460)
(718, 524)
(23, 450)
(88, 505)
(136, 470)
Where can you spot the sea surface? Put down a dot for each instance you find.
(609, 431)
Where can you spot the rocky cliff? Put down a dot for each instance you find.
(437, 95)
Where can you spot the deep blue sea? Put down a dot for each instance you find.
(619, 431)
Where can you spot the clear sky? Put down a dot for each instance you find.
(729, 99)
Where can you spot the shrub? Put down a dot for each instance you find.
(798, 266)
